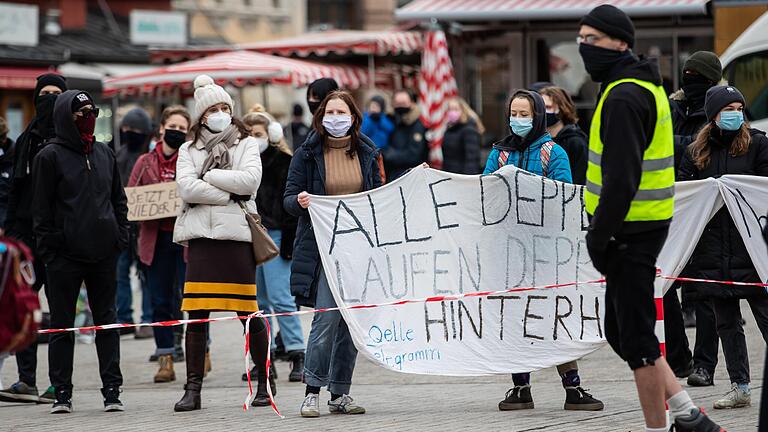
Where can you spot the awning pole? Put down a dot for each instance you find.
(266, 97)
(371, 72)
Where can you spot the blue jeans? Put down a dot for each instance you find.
(165, 278)
(273, 292)
(331, 354)
(125, 294)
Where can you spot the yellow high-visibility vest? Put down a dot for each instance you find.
(654, 200)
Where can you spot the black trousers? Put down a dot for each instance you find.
(707, 343)
(731, 332)
(678, 351)
(630, 310)
(65, 278)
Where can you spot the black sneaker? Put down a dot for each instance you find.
(49, 396)
(577, 399)
(20, 392)
(701, 378)
(517, 398)
(63, 402)
(297, 366)
(112, 399)
(696, 421)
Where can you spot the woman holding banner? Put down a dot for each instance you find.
(727, 145)
(530, 147)
(335, 160)
(217, 171)
(163, 258)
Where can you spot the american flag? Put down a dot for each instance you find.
(436, 86)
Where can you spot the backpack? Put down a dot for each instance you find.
(546, 154)
(17, 299)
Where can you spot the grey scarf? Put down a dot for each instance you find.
(217, 144)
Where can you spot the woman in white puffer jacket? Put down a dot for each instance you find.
(216, 171)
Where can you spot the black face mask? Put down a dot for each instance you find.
(695, 88)
(313, 106)
(174, 138)
(552, 119)
(375, 116)
(599, 61)
(134, 140)
(44, 114)
(401, 111)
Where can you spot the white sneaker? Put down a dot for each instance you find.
(311, 406)
(344, 404)
(736, 398)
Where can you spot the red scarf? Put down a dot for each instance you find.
(167, 164)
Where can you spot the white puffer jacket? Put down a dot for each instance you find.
(208, 210)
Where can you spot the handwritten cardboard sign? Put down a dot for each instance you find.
(157, 201)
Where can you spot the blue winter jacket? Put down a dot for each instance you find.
(307, 173)
(530, 159)
(378, 131)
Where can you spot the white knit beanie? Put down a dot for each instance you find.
(208, 94)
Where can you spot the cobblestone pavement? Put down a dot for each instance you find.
(395, 402)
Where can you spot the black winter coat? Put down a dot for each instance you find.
(687, 122)
(269, 199)
(307, 173)
(407, 146)
(79, 206)
(574, 141)
(461, 149)
(720, 253)
(18, 221)
(6, 178)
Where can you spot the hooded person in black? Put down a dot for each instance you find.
(18, 221)
(7, 154)
(621, 247)
(80, 224)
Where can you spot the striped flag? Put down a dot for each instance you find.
(436, 86)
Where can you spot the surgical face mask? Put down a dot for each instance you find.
(337, 125)
(453, 116)
(552, 118)
(218, 121)
(521, 126)
(730, 120)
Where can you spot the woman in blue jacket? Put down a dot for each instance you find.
(530, 147)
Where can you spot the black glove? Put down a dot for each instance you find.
(288, 236)
(598, 252)
(237, 198)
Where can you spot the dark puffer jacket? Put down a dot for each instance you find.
(574, 141)
(269, 199)
(721, 253)
(461, 148)
(687, 121)
(307, 173)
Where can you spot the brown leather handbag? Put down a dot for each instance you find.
(264, 249)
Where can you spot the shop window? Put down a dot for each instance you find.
(750, 75)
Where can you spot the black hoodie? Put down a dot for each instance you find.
(514, 142)
(79, 205)
(627, 126)
(575, 142)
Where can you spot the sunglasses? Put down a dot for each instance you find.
(86, 111)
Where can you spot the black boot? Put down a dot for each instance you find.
(195, 357)
(297, 366)
(262, 397)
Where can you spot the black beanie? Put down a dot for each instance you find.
(718, 97)
(80, 100)
(50, 79)
(611, 21)
(298, 110)
(706, 64)
(380, 100)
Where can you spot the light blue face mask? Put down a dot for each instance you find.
(521, 126)
(730, 120)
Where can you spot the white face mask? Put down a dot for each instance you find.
(337, 125)
(218, 121)
(263, 145)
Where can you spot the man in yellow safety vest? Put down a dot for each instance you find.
(630, 199)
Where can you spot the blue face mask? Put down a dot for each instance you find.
(730, 120)
(521, 126)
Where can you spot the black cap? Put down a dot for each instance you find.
(80, 100)
(50, 79)
(718, 97)
(611, 21)
(706, 64)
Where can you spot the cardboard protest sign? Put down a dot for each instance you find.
(432, 233)
(157, 201)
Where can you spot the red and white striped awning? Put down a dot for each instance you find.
(21, 78)
(494, 10)
(237, 68)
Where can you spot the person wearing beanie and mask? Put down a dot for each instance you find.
(135, 131)
(629, 198)
(562, 124)
(164, 259)
(408, 145)
(218, 173)
(296, 132)
(274, 277)
(316, 93)
(530, 147)
(18, 221)
(462, 139)
(701, 71)
(335, 160)
(376, 123)
(727, 145)
(81, 225)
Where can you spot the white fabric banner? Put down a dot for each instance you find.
(432, 233)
